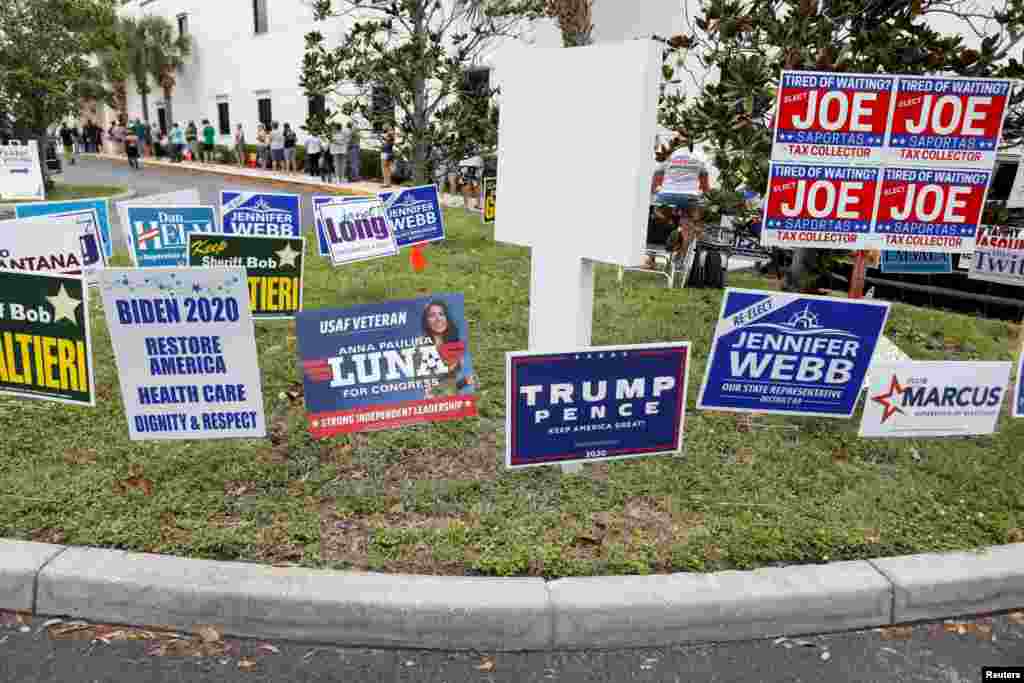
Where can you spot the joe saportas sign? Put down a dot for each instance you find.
(934, 398)
(185, 348)
(157, 234)
(273, 266)
(595, 404)
(45, 349)
(261, 213)
(379, 366)
(790, 353)
(415, 214)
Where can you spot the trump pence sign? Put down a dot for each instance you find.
(596, 403)
(790, 353)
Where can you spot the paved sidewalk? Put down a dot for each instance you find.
(263, 175)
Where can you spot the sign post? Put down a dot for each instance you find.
(857, 278)
(587, 92)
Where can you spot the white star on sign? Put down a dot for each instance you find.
(64, 306)
(287, 256)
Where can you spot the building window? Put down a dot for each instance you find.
(317, 106)
(182, 24)
(224, 118)
(476, 82)
(382, 106)
(266, 116)
(259, 14)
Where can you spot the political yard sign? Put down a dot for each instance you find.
(922, 209)
(947, 122)
(260, 213)
(185, 348)
(819, 206)
(157, 235)
(273, 267)
(934, 398)
(415, 215)
(381, 366)
(1018, 404)
(790, 353)
(356, 229)
(100, 206)
(831, 117)
(45, 347)
(321, 236)
(20, 173)
(999, 255)
(597, 403)
(490, 202)
(67, 243)
(914, 262)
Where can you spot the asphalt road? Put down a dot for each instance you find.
(155, 180)
(941, 653)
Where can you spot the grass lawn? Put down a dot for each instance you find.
(436, 499)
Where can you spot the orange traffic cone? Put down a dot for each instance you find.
(417, 260)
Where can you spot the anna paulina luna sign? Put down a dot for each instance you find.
(381, 366)
(596, 403)
(789, 353)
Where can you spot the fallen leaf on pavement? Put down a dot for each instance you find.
(897, 632)
(825, 656)
(984, 631)
(1015, 617)
(267, 649)
(246, 664)
(209, 634)
(486, 666)
(156, 649)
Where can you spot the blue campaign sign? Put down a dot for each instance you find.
(415, 213)
(321, 237)
(791, 353)
(598, 403)
(261, 213)
(1018, 405)
(158, 234)
(50, 208)
(916, 262)
(380, 366)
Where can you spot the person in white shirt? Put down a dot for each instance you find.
(277, 146)
(339, 152)
(685, 179)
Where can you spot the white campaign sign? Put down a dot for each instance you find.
(51, 244)
(550, 96)
(185, 348)
(20, 174)
(1016, 198)
(934, 398)
(998, 256)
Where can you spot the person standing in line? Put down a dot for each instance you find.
(277, 146)
(192, 140)
(68, 140)
(471, 171)
(326, 165)
(177, 143)
(262, 142)
(339, 148)
(290, 142)
(240, 145)
(140, 133)
(354, 152)
(313, 151)
(131, 149)
(387, 156)
(209, 141)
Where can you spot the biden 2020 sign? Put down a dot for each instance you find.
(934, 398)
(260, 213)
(831, 117)
(791, 353)
(595, 403)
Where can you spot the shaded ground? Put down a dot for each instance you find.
(437, 498)
(951, 652)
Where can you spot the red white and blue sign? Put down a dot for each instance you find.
(923, 209)
(947, 122)
(598, 403)
(828, 207)
(261, 213)
(158, 234)
(916, 263)
(51, 208)
(790, 353)
(831, 117)
(415, 215)
(380, 366)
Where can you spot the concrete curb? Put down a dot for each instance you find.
(467, 613)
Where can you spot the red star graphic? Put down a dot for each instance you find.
(886, 399)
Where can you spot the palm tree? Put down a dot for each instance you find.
(574, 18)
(113, 62)
(137, 35)
(166, 51)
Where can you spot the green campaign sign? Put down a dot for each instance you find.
(45, 348)
(273, 266)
